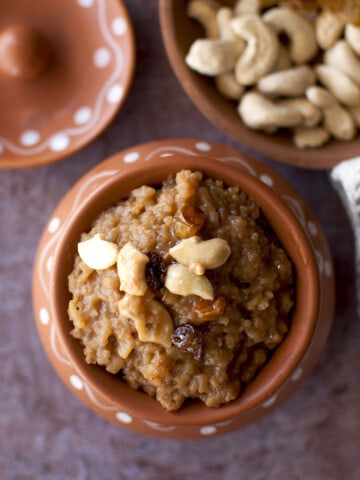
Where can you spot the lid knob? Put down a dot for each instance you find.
(24, 52)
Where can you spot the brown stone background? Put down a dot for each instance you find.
(47, 434)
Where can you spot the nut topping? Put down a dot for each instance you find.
(98, 253)
(131, 265)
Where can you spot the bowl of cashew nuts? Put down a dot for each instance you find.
(280, 81)
(143, 169)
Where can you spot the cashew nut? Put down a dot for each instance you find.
(98, 253)
(355, 112)
(339, 84)
(289, 83)
(329, 27)
(182, 281)
(311, 114)
(337, 120)
(204, 11)
(131, 270)
(212, 57)
(342, 57)
(310, 137)
(303, 45)
(151, 319)
(261, 50)
(352, 36)
(247, 6)
(340, 123)
(228, 86)
(320, 97)
(200, 255)
(260, 113)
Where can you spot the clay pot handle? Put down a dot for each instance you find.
(24, 52)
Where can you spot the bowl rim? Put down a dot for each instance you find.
(286, 357)
(280, 147)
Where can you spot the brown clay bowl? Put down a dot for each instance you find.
(179, 31)
(296, 228)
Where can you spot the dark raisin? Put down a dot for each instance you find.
(189, 339)
(155, 272)
(244, 285)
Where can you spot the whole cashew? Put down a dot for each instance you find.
(339, 84)
(182, 281)
(320, 97)
(289, 83)
(311, 114)
(247, 6)
(352, 36)
(151, 319)
(310, 137)
(329, 27)
(212, 57)
(228, 86)
(261, 51)
(303, 45)
(260, 113)
(355, 112)
(204, 11)
(208, 254)
(337, 120)
(342, 57)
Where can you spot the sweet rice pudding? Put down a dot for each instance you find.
(183, 290)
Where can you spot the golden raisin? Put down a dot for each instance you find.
(188, 221)
(208, 310)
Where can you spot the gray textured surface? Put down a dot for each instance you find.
(47, 434)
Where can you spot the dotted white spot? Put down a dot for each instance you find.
(115, 93)
(163, 155)
(29, 138)
(85, 3)
(203, 146)
(102, 57)
(312, 228)
(54, 224)
(119, 26)
(328, 269)
(59, 142)
(297, 374)
(131, 157)
(49, 263)
(124, 417)
(76, 382)
(208, 430)
(44, 316)
(82, 115)
(267, 180)
(270, 401)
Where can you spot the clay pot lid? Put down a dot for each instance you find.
(65, 69)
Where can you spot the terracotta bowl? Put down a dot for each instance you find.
(296, 228)
(179, 31)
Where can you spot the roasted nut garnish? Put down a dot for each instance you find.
(188, 221)
(151, 319)
(208, 310)
(206, 254)
(98, 253)
(188, 339)
(131, 270)
(155, 272)
(182, 281)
